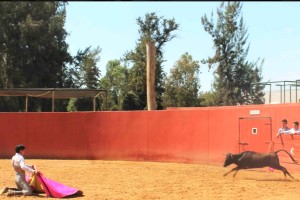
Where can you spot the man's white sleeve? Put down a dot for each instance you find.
(25, 167)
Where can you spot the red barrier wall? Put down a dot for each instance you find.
(177, 134)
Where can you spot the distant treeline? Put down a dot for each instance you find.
(34, 54)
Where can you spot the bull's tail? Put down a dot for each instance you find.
(288, 154)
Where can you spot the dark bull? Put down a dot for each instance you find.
(251, 159)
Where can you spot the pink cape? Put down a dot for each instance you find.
(55, 189)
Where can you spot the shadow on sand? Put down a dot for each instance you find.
(273, 179)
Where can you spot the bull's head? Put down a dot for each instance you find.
(228, 160)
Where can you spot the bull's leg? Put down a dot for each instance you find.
(284, 170)
(235, 172)
(234, 169)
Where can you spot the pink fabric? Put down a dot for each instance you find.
(55, 189)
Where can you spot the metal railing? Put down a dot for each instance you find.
(282, 84)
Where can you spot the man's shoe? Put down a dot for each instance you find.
(10, 193)
(3, 190)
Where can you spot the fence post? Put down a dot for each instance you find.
(151, 96)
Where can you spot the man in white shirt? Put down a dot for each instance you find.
(284, 129)
(20, 167)
(295, 130)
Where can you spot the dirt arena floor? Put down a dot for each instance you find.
(125, 180)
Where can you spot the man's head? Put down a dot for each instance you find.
(20, 148)
(296, 124)
(284, 123)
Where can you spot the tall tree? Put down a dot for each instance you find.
(84, 74)
(160, 31)
(85, 69)
(253, 94)
(115, 82)
(182, 86)
(207, 98)
(233, 73)
(33, 50)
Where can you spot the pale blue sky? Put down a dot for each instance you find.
(273, 28)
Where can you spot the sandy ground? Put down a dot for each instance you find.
(112, 180)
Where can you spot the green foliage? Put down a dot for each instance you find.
(182, 86)
(115, 82)
(158, 30)
(131, 101)
(255, 77)
(84, 104)
(233, 74)
(207, 99)
(84, 74)
(85, 70)
(71, 105)
(33, 51)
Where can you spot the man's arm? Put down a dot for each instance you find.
(26, 167)
(281, 131)
(297, 132)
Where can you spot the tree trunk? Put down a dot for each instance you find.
(151, 95)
